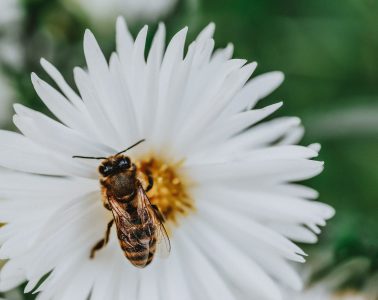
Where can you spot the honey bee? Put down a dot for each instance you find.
(139, 223)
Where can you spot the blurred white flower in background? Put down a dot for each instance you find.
(227, 190)
(10, 53)
(7, 96)
(10, 11)
(321, 293)
(11, 14)
(15, 294)
(338, 283)
(106, 11)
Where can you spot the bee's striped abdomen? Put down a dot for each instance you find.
(139, 244)
(139, 225)
(140, 254)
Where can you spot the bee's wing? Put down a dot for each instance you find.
(130, 244)
(163, 243)
(121, 219)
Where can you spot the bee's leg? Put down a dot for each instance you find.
(102, 243)
(150, 181)
(145, 178)
(105, 201)
(110, 224)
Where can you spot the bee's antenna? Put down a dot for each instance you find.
(88, 157)
(136, 144)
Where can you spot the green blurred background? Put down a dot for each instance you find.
(328, 51)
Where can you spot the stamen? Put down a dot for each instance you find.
(170, 189)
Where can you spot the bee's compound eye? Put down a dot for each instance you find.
(105, 170)
(124, 163)
(101, 170)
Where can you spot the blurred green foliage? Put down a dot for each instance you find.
(329, 53)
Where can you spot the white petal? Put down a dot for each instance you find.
(173, 103)
(228, 127)
(106, 98)
(248, 227)
(258, 88)
(104, 286)
(223, 54)
(136, 75)
(210, 110)
(149, 287)
(173, 55)
(20, 153)
(154, 61)
(295, 190)
(129, 282)
(203, 86)
(62, 84)
(282, 152)
(276, 267)
(263, 134)
(256, 172)
(60, 277)
(61, 234)
(293, 136)
(206, 33)
(19, 242)
(125, 115)
(295, 232)
(267, 206)
(124, 42)
(259, 154)
(248, 276)
(58, 104)
(20, 186)
(11, 274)
(174, 272)
(67, 141)
(315, 146)
(80, 283)
(65, 162)
(207, 278)
(103, 127)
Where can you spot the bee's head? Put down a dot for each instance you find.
(114, 165)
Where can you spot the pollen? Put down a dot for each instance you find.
(170, 189)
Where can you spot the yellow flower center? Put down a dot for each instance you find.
(169, 192)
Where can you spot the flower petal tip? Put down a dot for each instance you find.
(329, 212)
(18, 108)
(34, 76)
(315, 147)
(89, 39)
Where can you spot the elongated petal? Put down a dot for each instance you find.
(20, 153)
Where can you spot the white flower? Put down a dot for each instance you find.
(236, 207)
(106, 11)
